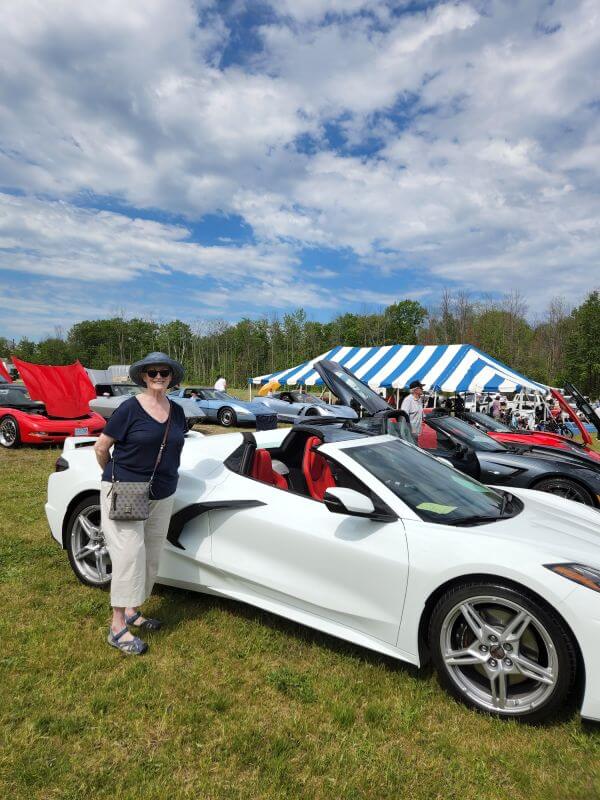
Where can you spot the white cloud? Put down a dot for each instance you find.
(462, 143)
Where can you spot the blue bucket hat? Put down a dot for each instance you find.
(153, 360)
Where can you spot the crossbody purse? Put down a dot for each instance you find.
(130, 500)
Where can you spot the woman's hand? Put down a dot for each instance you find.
(101, 448)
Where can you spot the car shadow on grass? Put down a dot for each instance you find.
(181, 601)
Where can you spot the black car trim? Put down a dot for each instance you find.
(180, 519)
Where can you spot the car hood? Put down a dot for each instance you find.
(65, 390)
(582, 404)
(554, 454)
(568, 530)
(348, 388)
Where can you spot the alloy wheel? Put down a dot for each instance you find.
(499, 654)
(8, 432)
(88, 547)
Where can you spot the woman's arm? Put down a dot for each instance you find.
(101, 449)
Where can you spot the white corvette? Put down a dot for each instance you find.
(372, 540)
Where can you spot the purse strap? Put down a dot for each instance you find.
(160, 451)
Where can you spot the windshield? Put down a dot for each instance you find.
(14, 396)
(468, 434)
(436, 492)
(305, 397)
(489, 423)
(125, 389)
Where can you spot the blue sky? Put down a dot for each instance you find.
(207, 160)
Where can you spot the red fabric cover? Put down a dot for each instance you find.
(427, 438)
(316, 470)
(262, 470)
(5, 373)
(65, 391)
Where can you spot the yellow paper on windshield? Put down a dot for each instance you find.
(436, 508)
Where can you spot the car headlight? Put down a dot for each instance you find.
(578, 573)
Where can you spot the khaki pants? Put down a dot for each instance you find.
(134, 549)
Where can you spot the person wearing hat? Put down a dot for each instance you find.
(137, 429)
(413, 406)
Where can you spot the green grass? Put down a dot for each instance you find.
(231, 702)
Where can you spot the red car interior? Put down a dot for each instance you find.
(427, 438)
(262, 470)
(316, 470)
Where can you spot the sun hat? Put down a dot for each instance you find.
(151, 360)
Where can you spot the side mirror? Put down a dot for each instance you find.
(348, 501)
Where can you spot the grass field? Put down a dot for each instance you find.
(231, 702)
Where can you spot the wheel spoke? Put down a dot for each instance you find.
(473, 620)
(86, 551)
(498, 688)
(462, 657)
(88, 527)
(101, 564)
(532, 670)
(517, 626)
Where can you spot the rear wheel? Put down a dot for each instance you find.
(502, 652)
(86, 546)
(227, 417)
(9, 432)
(563, 487)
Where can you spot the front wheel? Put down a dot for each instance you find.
(86, 546)
(563, 487)
(226, 417)
(9, 432)
(502, 652)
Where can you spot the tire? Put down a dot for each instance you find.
(226, 417)
(502, 652)
(563, 487)
(10, 436)
(85, 544)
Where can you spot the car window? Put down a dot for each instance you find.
(435, 492)
(13, 396)
(468, 434)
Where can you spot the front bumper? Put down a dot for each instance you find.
(54, 517)
(581, 609)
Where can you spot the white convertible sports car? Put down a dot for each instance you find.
(374, 541)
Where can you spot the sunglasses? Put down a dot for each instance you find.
(152, 373)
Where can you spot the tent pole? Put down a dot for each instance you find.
(398, 397)
(250, 391)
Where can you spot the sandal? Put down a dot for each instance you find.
(134, 647)
(147, 625)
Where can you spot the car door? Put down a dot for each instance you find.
(205, 405)
(294, 552)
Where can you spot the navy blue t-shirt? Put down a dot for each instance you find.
(138, 438)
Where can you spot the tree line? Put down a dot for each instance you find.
(564, 344)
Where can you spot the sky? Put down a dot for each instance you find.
(214, 159)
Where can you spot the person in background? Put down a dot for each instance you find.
(495, 407)
(413, 406)
(220, 384)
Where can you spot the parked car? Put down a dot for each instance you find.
(294, 404)
(376, 542)
(111, 395)
(502, 433)
(26, 421)
(569, 474)
(221, 407)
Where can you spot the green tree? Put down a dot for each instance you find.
(583, 346)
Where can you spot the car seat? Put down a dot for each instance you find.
(262, 470)
(316, 470)
(428, 438)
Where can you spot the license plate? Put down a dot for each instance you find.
(81, 431)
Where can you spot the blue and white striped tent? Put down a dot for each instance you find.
(442, 368)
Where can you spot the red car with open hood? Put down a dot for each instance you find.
(53, 404)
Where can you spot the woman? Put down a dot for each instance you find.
(137, 428)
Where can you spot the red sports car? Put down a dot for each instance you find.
(26, 421)
(502, 433)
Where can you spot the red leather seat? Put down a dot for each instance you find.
(262, 470)
(427, 438)
(316, 470)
